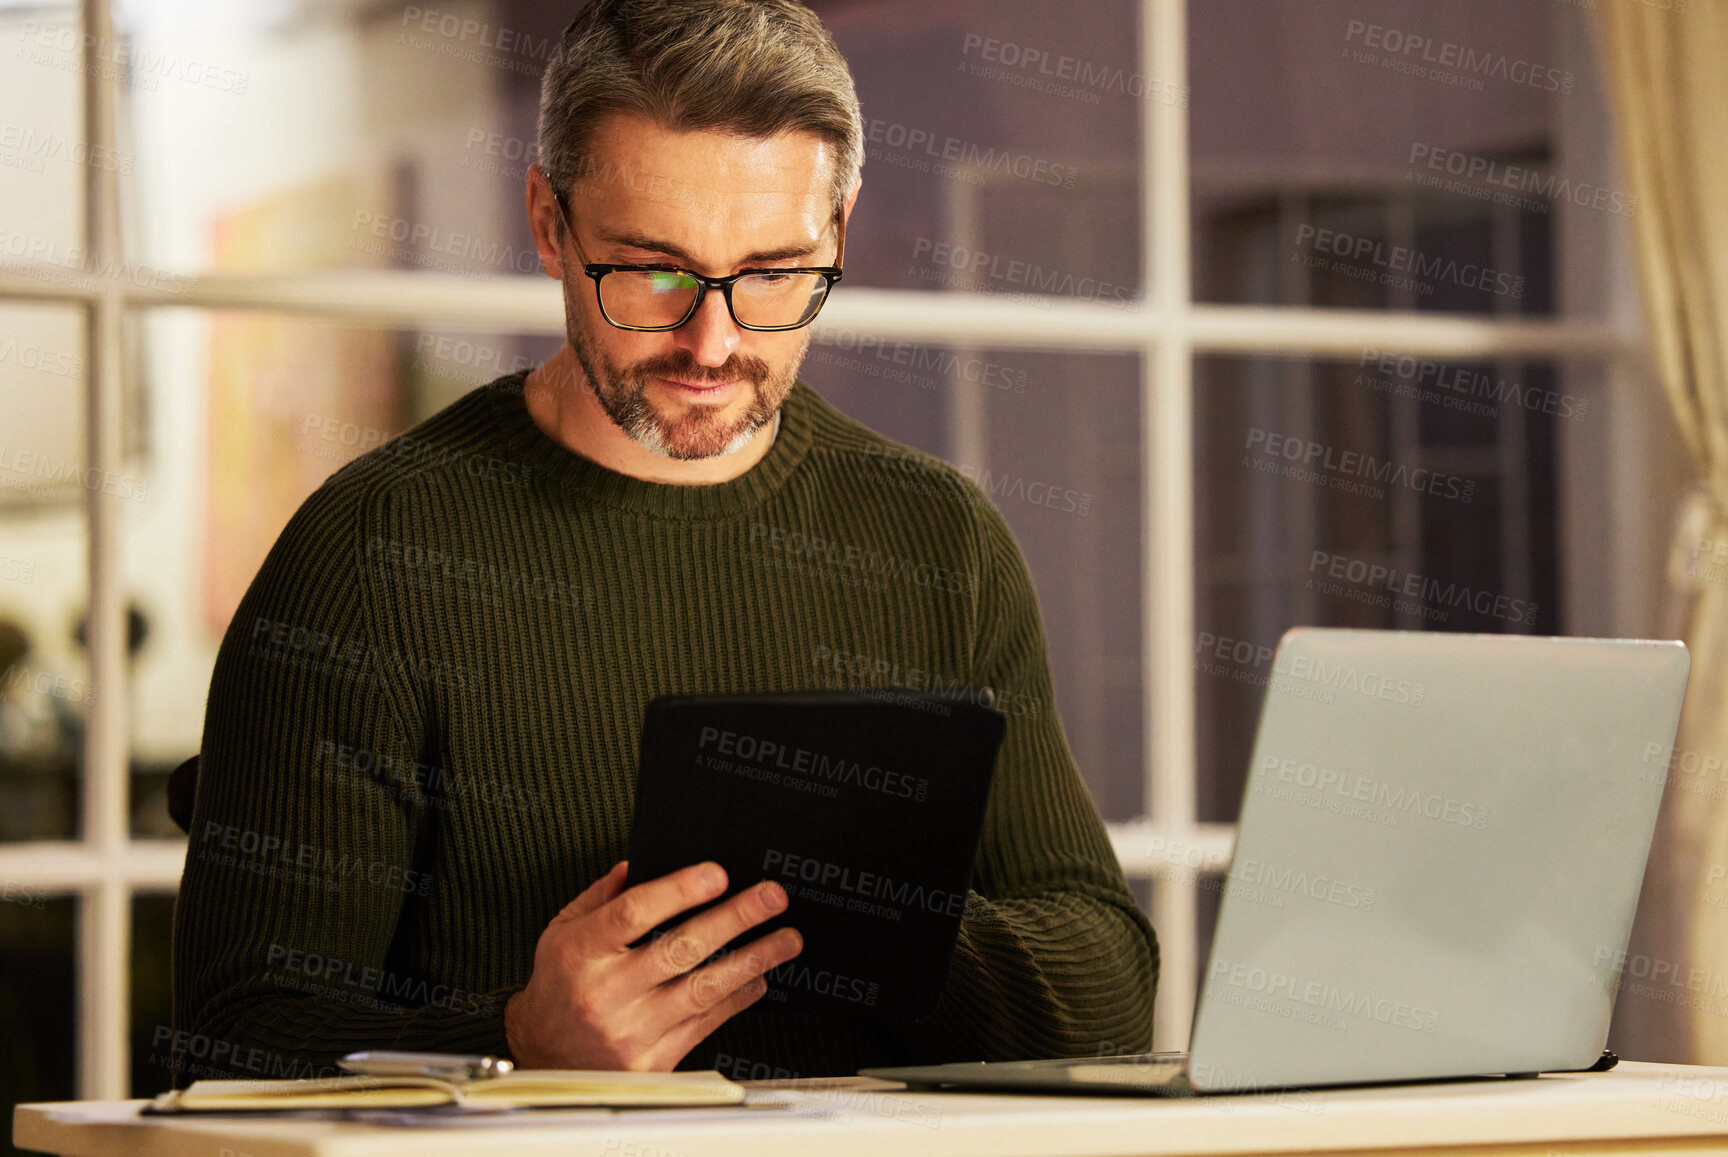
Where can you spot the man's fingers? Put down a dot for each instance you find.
(687, 1034)
(712, 985)
(635, 912)
(598, 893)
(690, 943)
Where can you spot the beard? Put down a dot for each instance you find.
(700, 431)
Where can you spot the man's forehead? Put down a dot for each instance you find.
(643, 169)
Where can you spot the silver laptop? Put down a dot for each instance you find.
(1440, 851)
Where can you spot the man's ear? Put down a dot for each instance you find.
(543, 222)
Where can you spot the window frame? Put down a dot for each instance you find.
(1167, 330)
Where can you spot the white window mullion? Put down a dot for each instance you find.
(104, 917)
(104, 951)
(1168, 499)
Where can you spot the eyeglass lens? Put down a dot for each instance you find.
(650, 298)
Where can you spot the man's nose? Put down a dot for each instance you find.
(710, 335)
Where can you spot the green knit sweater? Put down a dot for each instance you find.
(422, 733)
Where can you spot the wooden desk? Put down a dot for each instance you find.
(1639, 1108)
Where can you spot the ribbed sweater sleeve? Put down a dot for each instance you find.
(299, 871)
(1054, 958)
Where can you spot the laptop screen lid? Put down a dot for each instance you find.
(1440, 850)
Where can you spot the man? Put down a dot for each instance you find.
(423, 725)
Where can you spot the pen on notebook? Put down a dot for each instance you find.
(449, 1066)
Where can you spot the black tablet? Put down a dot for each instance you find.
(865, 806)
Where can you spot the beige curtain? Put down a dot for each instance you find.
(1667, 68)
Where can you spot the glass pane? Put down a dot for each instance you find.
(1003, 129)
(37, 1029)
(42, 145)
(1385, 492)
(1051, 438)
(1006, 129)
(45, 689)
(1002, 146)
(151, 993)
(263, 408)
(42, 375)
(410, 151)
(1398, 155)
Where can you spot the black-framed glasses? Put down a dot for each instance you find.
(653, 298)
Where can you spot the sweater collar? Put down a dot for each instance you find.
(604, 487)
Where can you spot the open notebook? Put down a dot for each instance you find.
(530, 1088)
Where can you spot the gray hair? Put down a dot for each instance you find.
(754, 68)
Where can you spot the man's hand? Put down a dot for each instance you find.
(593, 1002)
